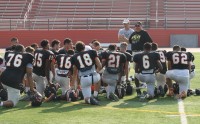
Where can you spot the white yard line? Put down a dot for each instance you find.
(181, 109)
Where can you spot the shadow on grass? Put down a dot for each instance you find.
(135, 103)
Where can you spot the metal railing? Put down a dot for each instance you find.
(95, 23)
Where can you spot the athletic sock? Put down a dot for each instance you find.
(1, 103)
(95, 93)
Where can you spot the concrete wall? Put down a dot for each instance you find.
(161, 36)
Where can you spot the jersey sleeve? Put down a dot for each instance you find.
(123, 58)
(129, 57)
(157, 56)
(104, 55)
(94, 53)
(168, 56)
(135, 58)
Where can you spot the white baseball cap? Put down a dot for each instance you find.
(126, 21)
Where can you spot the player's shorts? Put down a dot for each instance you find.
(192, 74)
(161, 79)
(110, 79)
(181, 77)
(86, 82)
(40, 83)
(13, 94)
(149, 79)
(64, 83)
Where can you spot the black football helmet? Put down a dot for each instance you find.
(71, 96)
(120, 91)
(49, 90)
(3, 94)
(197, 92)
(22, 88)
(36, 98)
(129, 89)
(176, 88)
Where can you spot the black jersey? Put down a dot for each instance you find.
(179, 60)
(64, 65)
(55, 52)
(62, 51)
(163, 60)
(128, 56)
(85, 61)
(40, 61)
(16, 64)
(147, 62)
(114, 61)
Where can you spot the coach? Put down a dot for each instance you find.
(139, 38)
(125, 33)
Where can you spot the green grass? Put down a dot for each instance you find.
(127, 111)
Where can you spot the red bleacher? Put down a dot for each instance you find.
(98, 14)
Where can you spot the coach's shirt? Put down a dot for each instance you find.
(16, 64)
(147, 62)
(40, 61)
(138, 39)
(127, 34)
(85, 62)
(64, 65)
(114, 61)
(179, 60)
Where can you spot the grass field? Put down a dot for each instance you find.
(127, 111)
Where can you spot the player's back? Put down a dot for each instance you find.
(85, 62)
(114, 61)
(64, 64)
(16, 64)
(41, 56)
(163, 60)
(147, 61)
(179, 60)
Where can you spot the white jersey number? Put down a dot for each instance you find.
(38, 59)
(145, 61)
(87, 60)
(162, 57)
(179, 59)
(65, 62)
(17, 60)
(113, 61)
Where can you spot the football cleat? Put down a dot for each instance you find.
(113, 97)
(129, 89)
(139, 93)
(22, 88)
(197, 92)
(3, 94)
(190, 92)
(175, 88)
(165, 88)
(93, 101)
(161, 90)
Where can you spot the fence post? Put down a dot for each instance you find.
(48, 24)
(67, 24)
(10, 24)
(87, 24)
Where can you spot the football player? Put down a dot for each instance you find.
(145, 64)
(114, 63)
(55, 46)
(17, 65)
(192, 73)
(123, 49)
(64, 70)
(14, 41)
(160, 77)
(68, 44)
(179, 68)
(42, 66)
(84, 66)
(35, 46)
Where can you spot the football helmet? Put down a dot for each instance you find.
(36, 98)
(120, 91)
(71, 96)
(129, 89)
(197, 92)
(49, 90)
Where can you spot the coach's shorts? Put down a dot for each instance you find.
(64, 83)
(181, 77)
(13, 94)
(86, 82)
